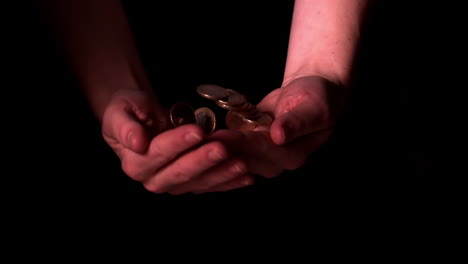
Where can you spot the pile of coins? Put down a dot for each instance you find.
(242, 115)
(183, 113)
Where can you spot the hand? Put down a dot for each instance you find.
(175, 160)
(304, 112)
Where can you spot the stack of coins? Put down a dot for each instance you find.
(242, 114)
(183, 113)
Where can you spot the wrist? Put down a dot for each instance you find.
(101, 88)
(329, 93)
(327, 80)
(339, 76)
(99, 97)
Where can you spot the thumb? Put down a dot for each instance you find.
(303, 119)
(127, 129)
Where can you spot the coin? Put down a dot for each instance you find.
(252, 113)
(263, 120)
(236, 100)
(211, 91)
(242, 114)
(247, 109)
(236, 122)
(181, 114)
(206, 119)
(233, 91)
(234, 103)
(239, 108)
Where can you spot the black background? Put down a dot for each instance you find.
(381, 155)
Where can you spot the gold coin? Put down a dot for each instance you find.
(181, 114)
(245, 110)
(263, 120)
(238, 108)
(234, 98)
(211, 91)
(206, 119)
(233, 92)
(236, 122)
(253, 114)
(241, 109)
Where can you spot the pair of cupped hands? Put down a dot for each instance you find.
(185, 160)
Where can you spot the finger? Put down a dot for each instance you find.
(237, 183)
(268, 103)
(301, 148)
(233, 139)
(267, 159)
(121, 124)
(224, 172)
(255, 147)
(308, 143)
(187, 167)
(163, 149)
(173, 142)
(304, 119)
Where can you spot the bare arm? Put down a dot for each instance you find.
(99, 46)
(323, 39)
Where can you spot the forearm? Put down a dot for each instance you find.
(100, 48)
(323, 39)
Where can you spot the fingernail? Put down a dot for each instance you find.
(149, 122)
(247, 181)
(238, 168)
(129, 139)
(282, 135)
(193, 138)
(215, 155)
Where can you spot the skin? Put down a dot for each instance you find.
(323, 40)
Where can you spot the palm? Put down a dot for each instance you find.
(309, 90)
(301, 124)
(131, 120)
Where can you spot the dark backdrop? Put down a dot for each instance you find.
(378, 155)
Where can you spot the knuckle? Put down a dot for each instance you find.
(294, 164)
(218, 147)
(131, 169)
(191, 128)
(177, 192)
(179, 177)
(154, 188)
(160, 158)
(271, 173)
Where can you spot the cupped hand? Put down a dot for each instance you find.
(165, 159)
(304, 112)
